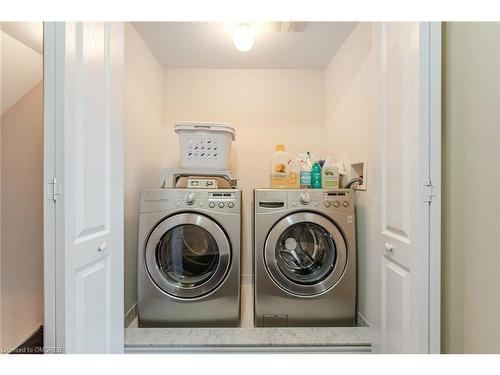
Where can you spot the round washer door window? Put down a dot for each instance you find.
(187, 255)
(305, 254)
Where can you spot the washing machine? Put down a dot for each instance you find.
(305, 258)
(189, 258)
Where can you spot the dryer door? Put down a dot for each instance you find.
(187, 255)
(305, 254)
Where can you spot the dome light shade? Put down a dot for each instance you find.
(243, 37)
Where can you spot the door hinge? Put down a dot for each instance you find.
(53, 189)
(428, 192)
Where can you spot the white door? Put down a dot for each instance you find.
(403, 239)
(84, 106)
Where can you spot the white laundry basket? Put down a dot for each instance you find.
(205, 145)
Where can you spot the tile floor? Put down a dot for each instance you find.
(247, 337)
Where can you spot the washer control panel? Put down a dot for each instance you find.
(340, 199)
(314, 199)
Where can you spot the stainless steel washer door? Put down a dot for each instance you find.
(305, 254)
(187, 255)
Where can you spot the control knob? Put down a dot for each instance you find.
(305, 198)
(189, 198)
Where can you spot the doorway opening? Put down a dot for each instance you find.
(369, 100)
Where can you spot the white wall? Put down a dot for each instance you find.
(144, 143)
(265, 106)
(350, 121)
(471, 197)
(22, 218)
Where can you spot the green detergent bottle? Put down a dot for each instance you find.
(316, 176)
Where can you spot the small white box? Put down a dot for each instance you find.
(205, 145)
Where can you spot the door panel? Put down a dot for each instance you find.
(92, 130)
(404, 217)
(397, 122)
(93, 310)
(88, 105)
(395, 307)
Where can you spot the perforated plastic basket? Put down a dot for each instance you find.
(205, 145)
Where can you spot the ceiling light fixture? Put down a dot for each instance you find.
(244, 37)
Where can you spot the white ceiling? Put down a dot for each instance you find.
(22, 69)
(210, 45)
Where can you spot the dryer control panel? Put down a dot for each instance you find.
(222, 199)
(209, 199)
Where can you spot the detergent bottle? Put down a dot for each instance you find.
(330, 174)
(281, 169)
(316, 175)
(305, 170)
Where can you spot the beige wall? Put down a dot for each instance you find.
(350, 97)
(144, 142)
(22, 69)
(265, 106)
(471, 194)
(1, 293)
(22, 218)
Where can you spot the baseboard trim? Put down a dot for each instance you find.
(130, 315)
(32, 345)
(362, 321)
(248, 349)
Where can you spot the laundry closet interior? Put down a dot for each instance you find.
(218, 257)
(308, 85)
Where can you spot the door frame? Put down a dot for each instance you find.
(54, 78)
(1, 295)
(430, 179)
(435, 150)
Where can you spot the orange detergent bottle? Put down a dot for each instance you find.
(284, 171)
